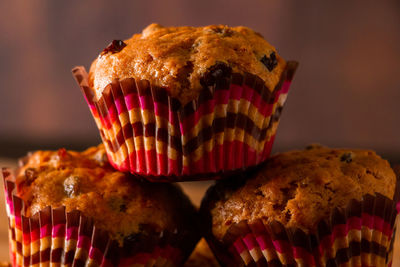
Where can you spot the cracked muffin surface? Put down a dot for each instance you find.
(299, 188)
(180, 58)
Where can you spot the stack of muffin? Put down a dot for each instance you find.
(184, 103)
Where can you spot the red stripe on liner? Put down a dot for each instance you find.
(58, 230)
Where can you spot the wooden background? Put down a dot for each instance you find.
(195, 190)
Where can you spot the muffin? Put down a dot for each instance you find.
(69, 207)
(316, 207)
(186, 103)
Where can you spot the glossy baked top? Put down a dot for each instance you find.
(182, 59)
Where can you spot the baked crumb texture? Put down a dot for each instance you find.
(177, 58)
(66, 203)
(340, 202)
(182, 102)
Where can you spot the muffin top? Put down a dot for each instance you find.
(117, 202)
(299, 188)
(181, 59)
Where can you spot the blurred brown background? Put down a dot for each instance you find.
(346, 92)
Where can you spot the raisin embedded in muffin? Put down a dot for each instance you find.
(179, 58)
(299, 188)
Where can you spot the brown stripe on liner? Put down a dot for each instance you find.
(173, 141)
(323, 229)
(274, 263)
(239, 229)
(12, 233)
(85, 226)
(369, 204)
(300, 239)
(128, 86)
(18, 204)
(73, 219)
(58, 215)
(337, 217)
(45, 216)
(278, 231)
(205, 95)
(148, 130)
(380, 205)
(237, 79)
(233, 120)
(102, 104)
(69, 257)
(355, 249)
(127, 131)
(79, 263)
(159, 95)
(116, 91)
(45, 255)
(112, 252)
(257, 227)
(81, 78)
(222, 84)
(25, 230)
(100, 240)
(35, 258)
(56, 255)
(143, 88)
(354, 209)
(250, 79)
(19, 247)
(107, 96)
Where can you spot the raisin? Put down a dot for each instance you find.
(114, 47)
(223, 31)
(269, 62)
(313, 146)
(131, 239)
(31, 175)
(62, 153)
(72, 186)
(122, 208)
(347, 157)
(218, 71)
(288, 215)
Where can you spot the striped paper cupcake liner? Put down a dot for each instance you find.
(230, 126)
(360, 235)
(59, 238)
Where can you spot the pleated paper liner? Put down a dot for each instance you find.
(360, 235)
(231, 126)
(60, 238)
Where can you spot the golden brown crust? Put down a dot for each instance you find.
(178, 57)
(299, 188)
(116, 201)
